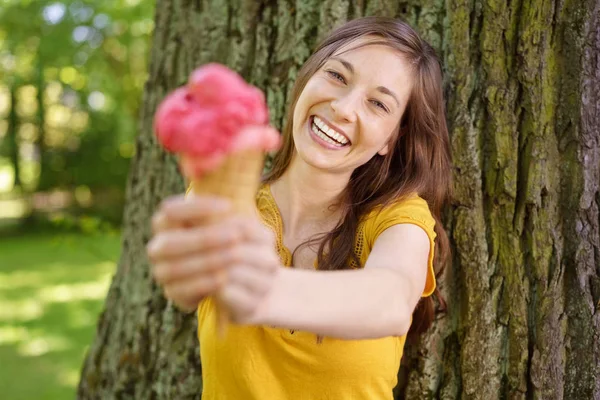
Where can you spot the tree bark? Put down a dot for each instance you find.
(12, 135)
(522, 80)
(40, 141)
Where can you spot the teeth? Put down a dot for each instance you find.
(333, 134)
(340, 139)
(323, 136)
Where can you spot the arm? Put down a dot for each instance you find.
(376, 301)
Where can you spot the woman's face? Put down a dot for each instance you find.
(351, 107)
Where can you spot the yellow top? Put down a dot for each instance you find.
(264, 363)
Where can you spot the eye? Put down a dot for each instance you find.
(336, 75)
(379, 104)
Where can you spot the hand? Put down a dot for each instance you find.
(188, 250)
(252, 272)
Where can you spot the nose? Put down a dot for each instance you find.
(345, 107)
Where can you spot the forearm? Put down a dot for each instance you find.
(352, 304)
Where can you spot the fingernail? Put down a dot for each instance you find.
(151, 248)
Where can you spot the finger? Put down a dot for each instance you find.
(239, 300)
(190, 266)
(161, 223)
(255, 231)
(186, 210)
(191, 291)
(163, 220)
(253, 280)
(270, 137)
(260, 257)
(180, 242)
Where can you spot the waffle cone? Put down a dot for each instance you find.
(236, 179)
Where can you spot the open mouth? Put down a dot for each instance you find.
(326, 133)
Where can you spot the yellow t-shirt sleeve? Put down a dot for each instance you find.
(413, 210)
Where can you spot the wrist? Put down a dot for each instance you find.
(271, 301)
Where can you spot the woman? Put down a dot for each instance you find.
(352, 203)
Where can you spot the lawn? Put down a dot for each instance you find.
(52, 289)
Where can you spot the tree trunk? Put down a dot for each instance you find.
(40, 141)
(522, 83)
(12, 135)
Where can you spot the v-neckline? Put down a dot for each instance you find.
(279, 229)
(279, 224)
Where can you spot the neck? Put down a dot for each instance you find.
(305, 195)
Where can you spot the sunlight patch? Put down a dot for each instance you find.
(42, 345)
(13, 334)
(69, 377)
(54, 13)
(15, 280)
(7, 177)
(20, 310)
(24, 279)
(78, 291)
(16, 208)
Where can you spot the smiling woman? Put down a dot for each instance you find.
(324, 287)
(365, 102)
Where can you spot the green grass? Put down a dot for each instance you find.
(52, 289)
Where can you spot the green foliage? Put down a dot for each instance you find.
(78, 68)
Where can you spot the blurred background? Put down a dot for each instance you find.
(72, 78)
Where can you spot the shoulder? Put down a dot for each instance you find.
(411, 209)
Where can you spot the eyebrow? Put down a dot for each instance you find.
(345, 63)
(387, 91)
(381, 89)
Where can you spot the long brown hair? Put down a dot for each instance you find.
(418, 160)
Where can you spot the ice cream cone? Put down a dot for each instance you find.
(236, 179)
(218, 124)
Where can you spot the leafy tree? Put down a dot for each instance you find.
(85, 62)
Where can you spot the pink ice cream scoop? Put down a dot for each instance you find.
(204, 121)
(218, 125)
